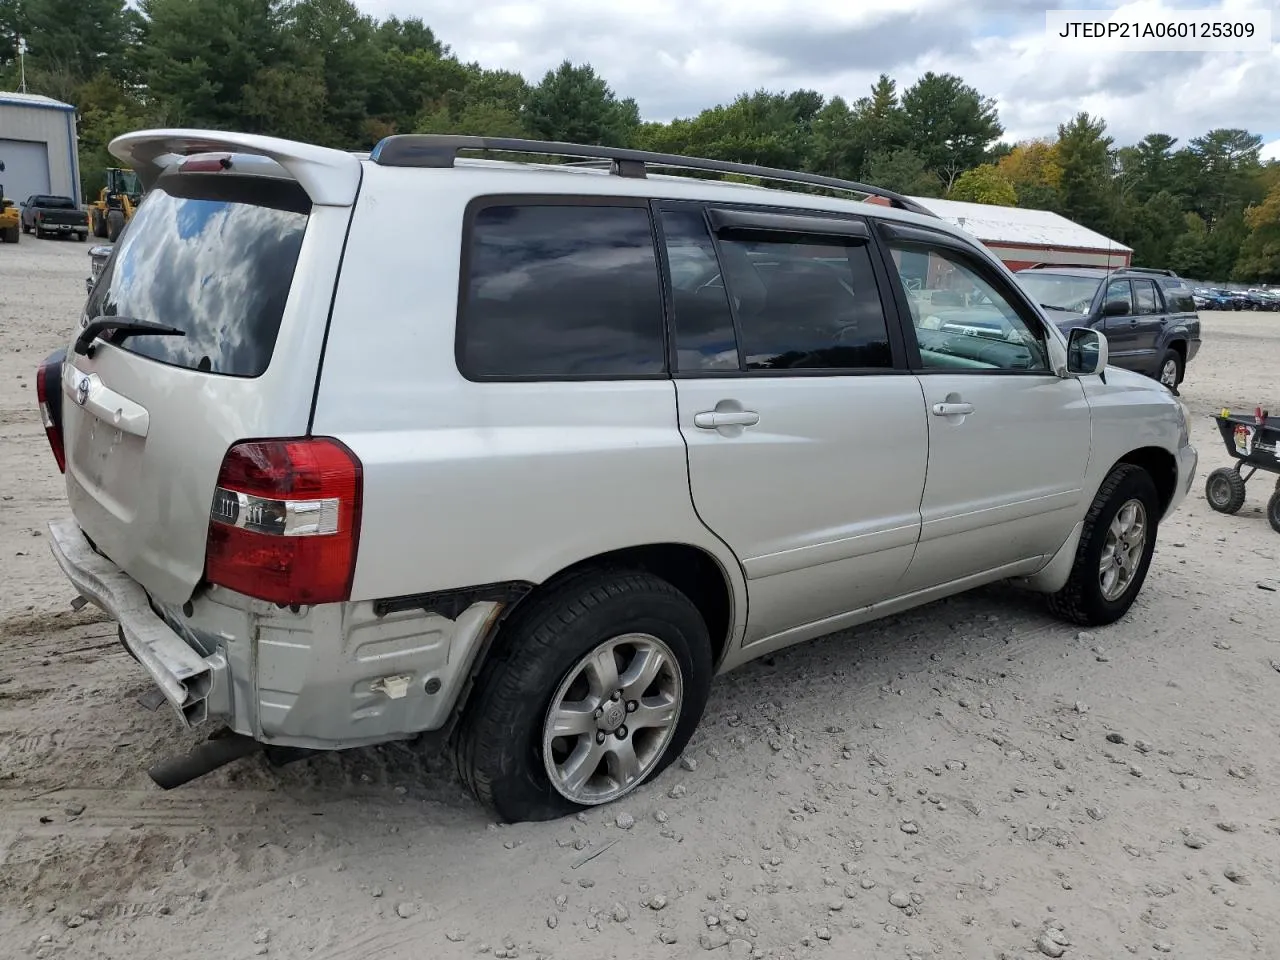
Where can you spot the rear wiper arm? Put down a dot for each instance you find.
(125, 326)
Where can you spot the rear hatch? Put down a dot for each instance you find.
(234, 253)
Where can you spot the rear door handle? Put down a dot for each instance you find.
(714, 419)
(952, 409)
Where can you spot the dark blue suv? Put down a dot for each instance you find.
(1148, 315)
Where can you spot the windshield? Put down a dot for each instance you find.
(1060, 291)
(213, 256)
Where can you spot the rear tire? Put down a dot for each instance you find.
(1171, 369)
(500, 742)
(1096, 595)
(97, 224)
(10, 235)
(1273, 510)
(1225, 490)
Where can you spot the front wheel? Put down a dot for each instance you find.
(1115, 549)
(1273, 510)
(115, 225)
(596, 687)
(1225, 490)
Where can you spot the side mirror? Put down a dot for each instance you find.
(1087, 352)
(1115, 308)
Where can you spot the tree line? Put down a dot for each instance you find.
(321, 71)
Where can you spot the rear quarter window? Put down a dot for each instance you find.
(213, 255)
(1178, 296)
(556, 291)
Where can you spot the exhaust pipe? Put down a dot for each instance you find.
(215, 752)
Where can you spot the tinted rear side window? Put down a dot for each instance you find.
(214, 256)
(561, 291)
(1178, 296)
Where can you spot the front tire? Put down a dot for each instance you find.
(1273, 510)
(1225, 490)
(540, 738)
(1115, 549)
(115, 225)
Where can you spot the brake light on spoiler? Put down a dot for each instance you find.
(285, 521)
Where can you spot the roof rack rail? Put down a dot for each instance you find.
(440, 151)
(1069, 266)
(1158, 271)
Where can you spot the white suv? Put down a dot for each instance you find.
(363, 447)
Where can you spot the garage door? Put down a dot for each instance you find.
(26, 168)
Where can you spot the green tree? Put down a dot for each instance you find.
(1191, 255)
(199, 56)
(1229, 165)
(75, 39)
(904, 171)
(878, 127)
(1084, 153)
(1259, 258)
(949, 124)
(575, 104)
(984, 184)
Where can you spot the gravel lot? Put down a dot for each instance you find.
(971, 780)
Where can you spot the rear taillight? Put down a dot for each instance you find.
(285, 521)
(49, 396)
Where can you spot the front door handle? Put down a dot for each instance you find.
(715, 419)
(952, 409)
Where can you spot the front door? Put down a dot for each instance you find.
(1121, 327)
(1008, 438)
(806, 433)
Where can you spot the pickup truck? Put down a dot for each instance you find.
(46, 215)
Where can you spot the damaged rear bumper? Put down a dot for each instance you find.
(321, 677)
(184, 677)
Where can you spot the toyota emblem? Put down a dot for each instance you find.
(82, 391)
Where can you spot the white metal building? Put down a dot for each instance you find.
(38, 147)
(1023, 237)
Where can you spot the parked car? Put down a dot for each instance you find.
(1260, 300)
(1148, 315)
(528, 483)
(43, 215)
(99, 253)
(1206, 298)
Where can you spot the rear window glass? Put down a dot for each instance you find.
(56, 203)
(214, 256)
(561, 291)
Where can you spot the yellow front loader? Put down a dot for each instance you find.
(115, 203)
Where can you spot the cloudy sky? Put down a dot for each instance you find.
(677, 56)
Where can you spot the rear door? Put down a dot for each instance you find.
(806, 434)
(1008, 438)
(244, 265)
(1149, 316)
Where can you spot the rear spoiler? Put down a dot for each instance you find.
(330, 177)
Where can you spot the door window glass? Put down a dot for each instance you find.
(1119, 290)
(1145, 295)
(806, 306)
(962, 322)
(703, 323)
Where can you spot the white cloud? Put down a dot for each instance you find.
(676, 57)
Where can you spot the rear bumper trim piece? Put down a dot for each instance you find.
(183, 676)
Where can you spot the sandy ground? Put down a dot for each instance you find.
(963, 781)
